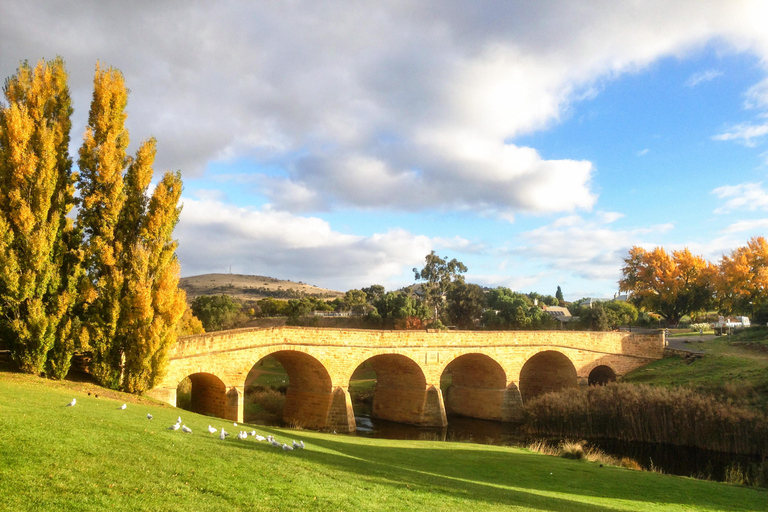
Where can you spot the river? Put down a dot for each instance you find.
(669, 459)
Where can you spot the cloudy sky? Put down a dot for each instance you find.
(337, 143)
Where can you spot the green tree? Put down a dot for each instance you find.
(216, 312)
(394, 307)
(438, 275)
(39, 263)
(621, 313)
(373, 292)
(559, 295)
(273, 307)
(356, 301)
(465, 304)
(595, 318)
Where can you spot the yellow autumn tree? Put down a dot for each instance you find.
(39, 261)
(102, 163)
(132, 302)
(742, 283)
(672, 285)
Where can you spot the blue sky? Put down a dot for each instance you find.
(337, 144)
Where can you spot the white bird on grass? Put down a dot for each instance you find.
(73, 402)
(175, 426)
(299, 445)
(242, 435)
(223, 434)
(186, 429)
(149, 416)
(122, 407)
(178, 420)
(211, 430)
(260, 438)
(253, 432)
(275, 443)
(287, 448)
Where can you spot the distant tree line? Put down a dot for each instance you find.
(103, 277)
(439, 299)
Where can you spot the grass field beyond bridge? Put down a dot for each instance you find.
(95, 456)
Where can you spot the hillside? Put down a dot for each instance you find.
(733, 369)
(95, 456)
(246, 287)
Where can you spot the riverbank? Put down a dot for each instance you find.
(97, 456)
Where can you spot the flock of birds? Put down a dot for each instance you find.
(242, 435)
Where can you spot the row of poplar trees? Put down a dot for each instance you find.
(87, 258)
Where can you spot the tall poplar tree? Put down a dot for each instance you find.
(38, 261)
(102, 162)
(133, 302)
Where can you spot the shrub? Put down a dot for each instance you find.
(644, 413)
(571, 450)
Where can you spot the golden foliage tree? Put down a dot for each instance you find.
(742, 282)
(39, 263)
(102, 162)
(671, 285)
(132, 302)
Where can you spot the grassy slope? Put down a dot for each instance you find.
(95, 456)
(726, 369)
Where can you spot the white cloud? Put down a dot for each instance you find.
(643, 152)
(395, 105)
(589, 249)
(747, 226)
(744, 196)
(745, 133)
(213, 235)
(704, 76)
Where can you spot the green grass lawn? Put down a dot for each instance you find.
(94, 456)
(728, 368)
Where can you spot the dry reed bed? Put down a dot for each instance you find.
(630, 412)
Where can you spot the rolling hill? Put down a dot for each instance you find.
(247, 287)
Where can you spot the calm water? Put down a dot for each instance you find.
(675, 460)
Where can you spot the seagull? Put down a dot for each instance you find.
(149, 416)
(73, 402)
(275, 443)
(186, 429)
(175, 426)
(260, 438)
(178, 420)
(211, 429)
(222, 435)
(287, 448)
(299, 445)
(253, 432)
(242, 435)
(122, 407)
(235, 424)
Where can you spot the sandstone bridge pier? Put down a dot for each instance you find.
(493, 372)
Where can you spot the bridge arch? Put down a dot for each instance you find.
(479, 389)
(401, 393)
(208, 395)
(601, 375)
(545, 372)
(309, 395)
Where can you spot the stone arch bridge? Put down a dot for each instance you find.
(493, 373)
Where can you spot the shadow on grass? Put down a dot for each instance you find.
(521, 479)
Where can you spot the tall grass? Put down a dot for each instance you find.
(629, 412)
